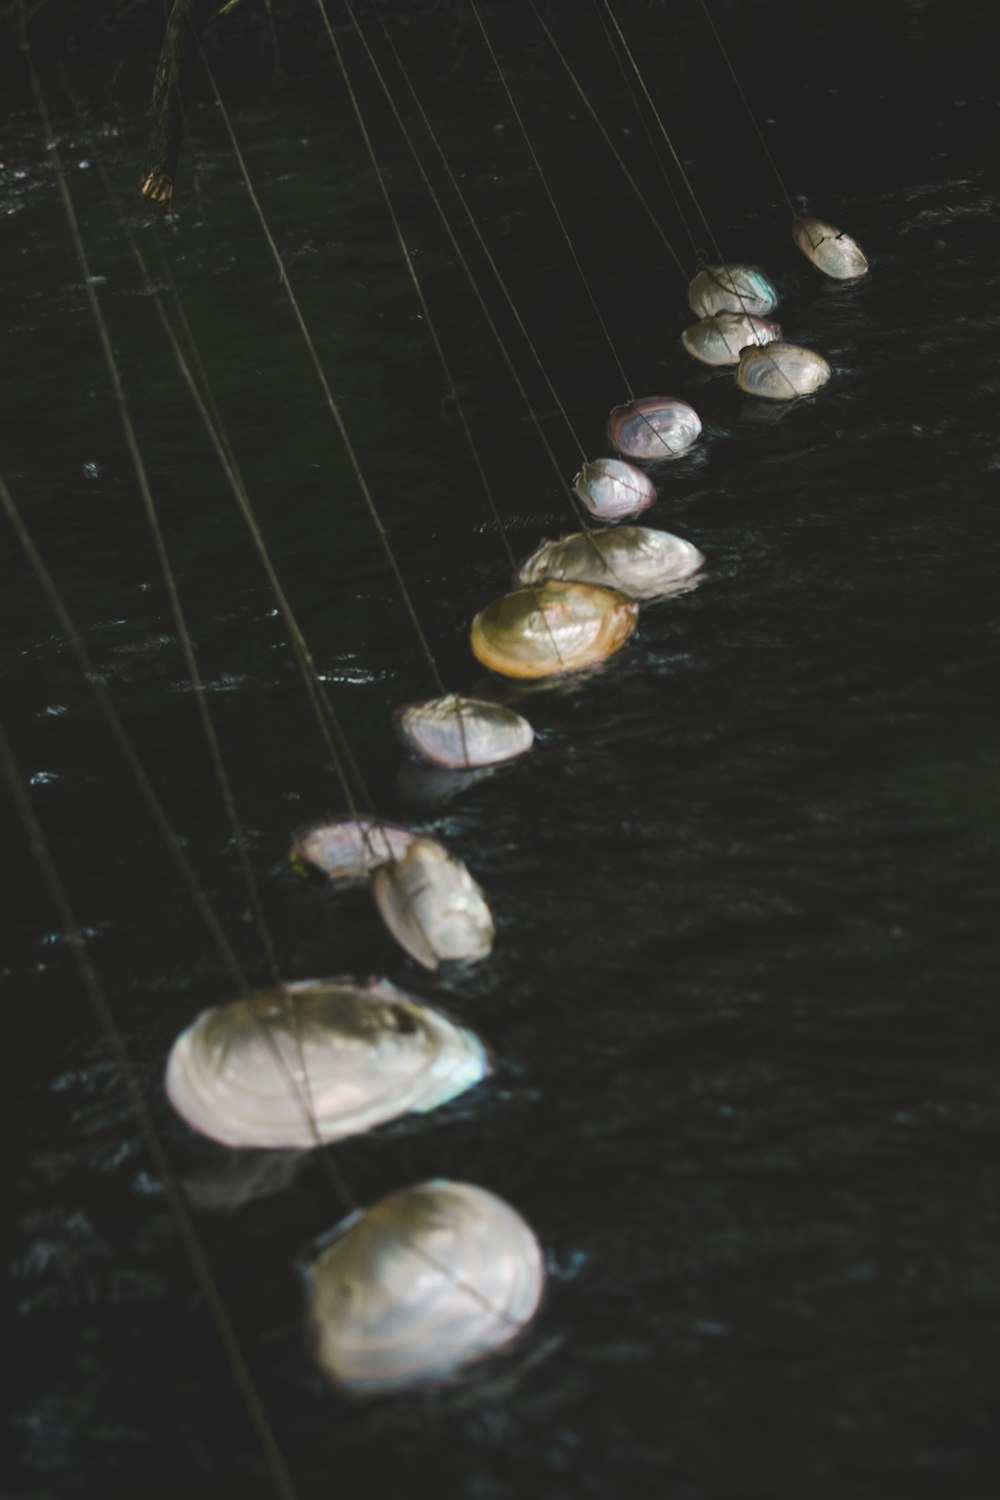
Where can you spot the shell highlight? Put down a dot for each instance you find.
(732, 288)
(553, 628)
(461, 733)
(653, 429)
(318, 1061)
(831, 250)
(719, 339)
(350, 848)
(639, 562)
(432, 906)
(613, 490)
(424, 1282)
(780, 372)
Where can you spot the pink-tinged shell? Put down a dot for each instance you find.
(653, 429)
(720, 339)
(552, 628)
(462, 733)
(350, 848)
(831, 250)
(432, 906)
(781, 372)
(636, 560)
(613, 490)
(732, 288)
(426, 1281)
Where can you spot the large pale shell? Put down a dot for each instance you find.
(429, 1279)
(461, 733)
(719, 339)
(639, 562)
(432, 906)
(553, 628)
(829, 249)
(350, 848)
(732, 288)
(318, 1061)
(781, 371)
(653, 429)
(612, 490)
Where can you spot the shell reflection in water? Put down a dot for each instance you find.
(653, 429)
(719, 339)
(461, 733)
(735, 289)
(321, 1060)
(781, 372)
(552, 628)
(829, 249)
(424, 1282)
(612, 490)
(640, 562)
(432, 906)
(350, 848)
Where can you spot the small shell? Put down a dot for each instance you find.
(424, 1282)
(432, 906)
(732, 288)
(719, 339)
(461, 733)
(653, 429)
(350, 848)
(554, 628)
(612, 490)
(641, 563)
(781, 371)
(829, 249)
(321, 1060)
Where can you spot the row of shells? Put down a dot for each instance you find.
(442, 1273)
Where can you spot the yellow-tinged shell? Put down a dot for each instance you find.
(780, 372)
(732, 288)
(552, 628)
(349, 848)
(426, 1281)
(461, 733)
(719, 339)
(318, 1061)
(613, 490)
(639, 562)
(653, 429)
(432, 906)
(830, 250)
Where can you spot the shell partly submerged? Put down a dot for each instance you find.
(640, 562)
(321, 1060)
(732, 288)
(613, 490)
(350, 848)
(718, 340)
(830, 250)
(461, 733)
(552, 628)
(432, 906)
(653, 429)
(424, 1282)
(781, 372)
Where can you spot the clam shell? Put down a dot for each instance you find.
(553, 628)
(318, 1061)
(719, 339)
(612, 490)
(461, 733)
(350, 848)
(830, 250)
(639, 562)
(732, 288)
(424, 1282)
(432, 906)
(653, 429)
(781, 371)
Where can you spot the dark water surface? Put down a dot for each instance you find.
(744, 991)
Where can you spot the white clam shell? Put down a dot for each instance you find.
(719, 339)
(732, 288)
(653, 429)
(780, 372)
(613, 490)
(830, 250)
(552, 628)
(319, 1061)
(432, 906)
(635, 560)
(424, 1282)
(349, 848)
(460, 733)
